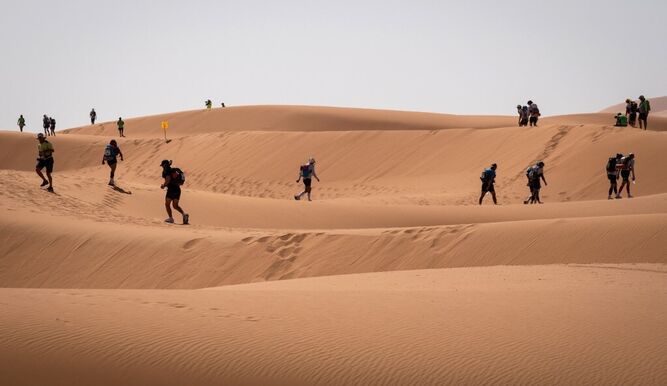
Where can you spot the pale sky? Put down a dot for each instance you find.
(134, 58)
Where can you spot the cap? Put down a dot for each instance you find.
(165, 162)
(40, 135)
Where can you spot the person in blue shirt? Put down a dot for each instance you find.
(488, 178)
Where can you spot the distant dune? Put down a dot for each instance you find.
(658, 107)
(399, 276)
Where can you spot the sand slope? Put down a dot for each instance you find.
(428, 287)
(528, 325)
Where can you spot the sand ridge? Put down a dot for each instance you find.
(393, 274)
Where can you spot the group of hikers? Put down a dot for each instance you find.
(209, 104)
(617, 166)
(48, 124)
(634, 110)
(534, 174)
(620, 166)
(528, 114)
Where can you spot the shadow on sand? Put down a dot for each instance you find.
(120, 190)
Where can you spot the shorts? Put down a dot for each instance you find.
(612, 177)
(486, 188)
(524, 122)
(535, 185)
(112, 162)
(173, 192)
(45, 163)
(625, 174)
(643, 116)
(632, 117)
(533, 120)
(307, 182)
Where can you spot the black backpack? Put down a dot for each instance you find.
(611, 165)
(633, 107)
(177, 176)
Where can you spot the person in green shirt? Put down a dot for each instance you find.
(121, 126)
(45, 160)
(208, 104)
(644, 109)
(21, 123)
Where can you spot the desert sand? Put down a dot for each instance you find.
(392, 275)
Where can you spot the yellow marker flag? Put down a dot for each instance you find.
(165, 125)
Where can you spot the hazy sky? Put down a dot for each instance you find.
(132, 58)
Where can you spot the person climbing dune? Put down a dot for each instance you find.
(306, 172)
(111, 152)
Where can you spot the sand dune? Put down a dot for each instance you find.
(658, 107)
(400, 276)
(532, 325)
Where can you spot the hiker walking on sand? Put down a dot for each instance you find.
(21, 123)
(121, 126)
(488, 178)
(173, 179)
(305, 172)
(534, 174)
(644, 109)
(52, 126)
(93, 116)
(534, 113)
(626, 166)
(111, 151)
(612, 173)
(208, 104)
(46, 124)
(631, 110)
(45, 160)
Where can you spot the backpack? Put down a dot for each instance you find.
(177, 176)
(611, 165)
(109, 153)
(486, 176)
(532, 174)
(305, 171)
(633, 107)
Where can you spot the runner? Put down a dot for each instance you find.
(612, 173)
(173, 179)
(21, 123)
(110, 153)
(45, 160)
(644, 109)
(46, 124)
(626, 166)
(534, 174)
(121, 126)
(631, 109)
(534, 113)
(52, 126)
(305, 172)
(93, 116)
(488, 178)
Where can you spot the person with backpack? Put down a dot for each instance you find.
(534, 113)
(612, 174)
(626, 166)
(534, 174)
(121, 126)
(524, 116)
(208, 104)
(631, 110)
(488, 178)
(111, 151)
(21, 123)
(45, 161)
(306, 172)
(52, 126)
(518, 110)
(644, 109)
(173, 179)
(46, 124)
(93, 116)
